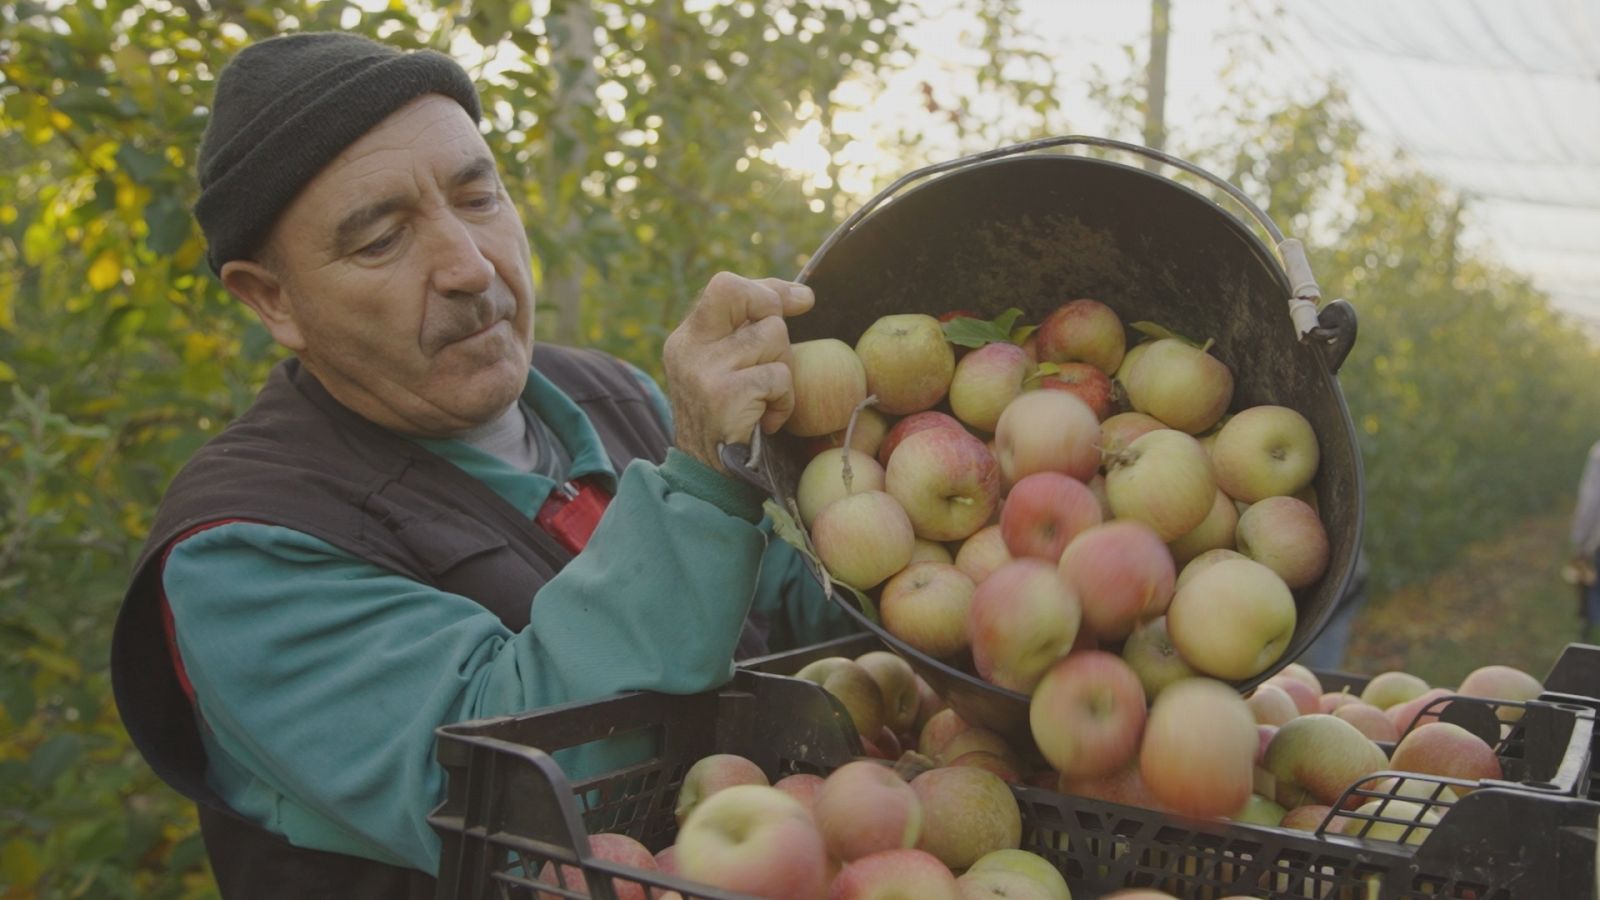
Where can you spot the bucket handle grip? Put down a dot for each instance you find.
(1335, 328)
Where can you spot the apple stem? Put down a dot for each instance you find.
(849, 434)
(1206, 347)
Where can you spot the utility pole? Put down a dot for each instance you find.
(1155, 125)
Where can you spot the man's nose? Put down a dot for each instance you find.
(459, 265)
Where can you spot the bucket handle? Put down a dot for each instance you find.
(1334, 326)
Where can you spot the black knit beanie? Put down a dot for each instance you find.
(284, 108)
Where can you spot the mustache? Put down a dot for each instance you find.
(467, 314)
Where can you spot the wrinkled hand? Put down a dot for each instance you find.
(727, 364)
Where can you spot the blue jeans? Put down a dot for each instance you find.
(1326, 653)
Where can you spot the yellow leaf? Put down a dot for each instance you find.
(8, 214)
(106, 270)
(18, 863)
(199, 347)
(7, 374)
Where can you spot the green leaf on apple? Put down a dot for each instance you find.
(970, 332)
(1160, 332)
(1040, 371)
(786, 525)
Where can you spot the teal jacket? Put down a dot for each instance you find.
(318, 717)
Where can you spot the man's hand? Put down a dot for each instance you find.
(727, 364)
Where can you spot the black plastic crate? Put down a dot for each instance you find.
(509, 809)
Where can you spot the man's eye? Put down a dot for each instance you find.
(483, 202)
(379, 246)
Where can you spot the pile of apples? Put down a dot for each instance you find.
(861, 832)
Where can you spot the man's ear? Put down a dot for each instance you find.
(260, 288)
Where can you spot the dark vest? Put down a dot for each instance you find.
(299, 459)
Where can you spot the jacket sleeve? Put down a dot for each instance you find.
(1586, 517)
(323, 677)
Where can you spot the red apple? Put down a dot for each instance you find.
(1005, 769)
(1198, 749)
(1023, 619)
(986, 380)
(1271, 705)
(893, 875)
(1403, 715)
(940, 730)
(1502, 683)
(829, 383)
(1285, 535)
(947, 482)
(802, 786)
(617, 848)
(1265, 451)
(713, 773)
(863, 538)
(1083, 330)
(1125, 786)
(1392, 688)
(1369, 720)
(1122, 429)
(754, 840)
(927, 605)
(1047, 431)
(1044, 512)
(1306, 700)
(1087, 383)
(907, 361)
(864, 807)
(1203, 562)
(1315, 758)
(1122, 573)
(1441, 748)
(911, 425)
(1163, 480)
(1087, 714)
(1180, 384)
(867, 437)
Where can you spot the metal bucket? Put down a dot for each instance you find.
(1018, 228)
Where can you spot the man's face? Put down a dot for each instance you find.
(404, 273)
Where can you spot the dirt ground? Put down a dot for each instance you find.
(1503, 603)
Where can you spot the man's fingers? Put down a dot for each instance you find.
(773, 385)
(730, 301)
(797, 298)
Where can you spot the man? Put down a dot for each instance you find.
(404, 530)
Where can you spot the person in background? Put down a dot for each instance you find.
(423, 518)
(1585, 541)
(1326, 653)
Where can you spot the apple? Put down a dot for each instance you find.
(853, 686)
(823, 480)
(1182, 385)
(1125, 786)
(1271, 705)
(617, 848)
(1502, 683)
(982, 553)
(1302, 674)
(1203, 562)
(1306, 700)
(1369, 720)
(870, 429)
(1086, 382)
(940, 730)
(1285, 535)
(927, 605)
(930, 551)
(1023, 618)
(1005, 768)
(929, 703)
(1215, 532)
(1310, 817)
(1047, 431)
(907, 361)
(667, 859)
(910, 425)
(802, 786)
(885, 745)
(947, 481)
(756, 840)
(898, 685)
(1441, 748)
(996, 885)
(1393, 820)
(1149, 652)
(1163, 480)
(864, 807)
(1392, 688)
(966, 814)
(1083, 330)
(1031, 866)
(1233, 620)
(1259, 810)
(894, 875)
(1197, 755)
(1265, 451)
(1404, 714)
(863, 538)
(1315, 758)
(1044, 512)
(1122, 573)
(1122, 429)
(1120, 376)
(828, 382)
(1332, 700)
(1087, 714)
(986, 381)
(713, 773)
(975, 739)
(1432, 793)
